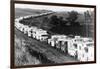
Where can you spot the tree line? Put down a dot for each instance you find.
(59, 24)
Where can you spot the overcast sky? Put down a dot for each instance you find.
(53, 8)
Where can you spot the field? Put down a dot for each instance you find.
(30, 51)
(23, 57)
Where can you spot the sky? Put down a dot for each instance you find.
(53, 8)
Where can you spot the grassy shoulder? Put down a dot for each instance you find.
(22, 56)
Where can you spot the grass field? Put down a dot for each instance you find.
(23, 57)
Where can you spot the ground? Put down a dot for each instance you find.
(30, 51)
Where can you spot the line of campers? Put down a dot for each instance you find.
(78, 47)
(34, 32)
(81, 48)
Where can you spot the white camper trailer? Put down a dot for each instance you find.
(31, 31)
(53, 41)
(25, 17)
(82, 49)
(34, 32)
(41, 35)
(17, 24)
(63, 44)
(26, 29)
(21, 27)
(20, 18)
(16, 20)
(86, 50)
(72, 49)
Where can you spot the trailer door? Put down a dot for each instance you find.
(66, 47)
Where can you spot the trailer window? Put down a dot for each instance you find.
(31, 31)
(80, 47)
(90, 44)
(60, 42)
(75, 45)
(86, 49)
(83, 55)
(44, 35)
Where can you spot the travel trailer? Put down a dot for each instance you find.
(82, 49)
(53, 40)
(31, 31)
(26, 29)
(41, 35)
(63, 44)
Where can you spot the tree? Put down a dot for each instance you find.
(73, 15)
(54, 20)
(62, 22)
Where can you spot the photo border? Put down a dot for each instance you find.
(12, 17)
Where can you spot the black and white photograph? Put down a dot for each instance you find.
(50, 34)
